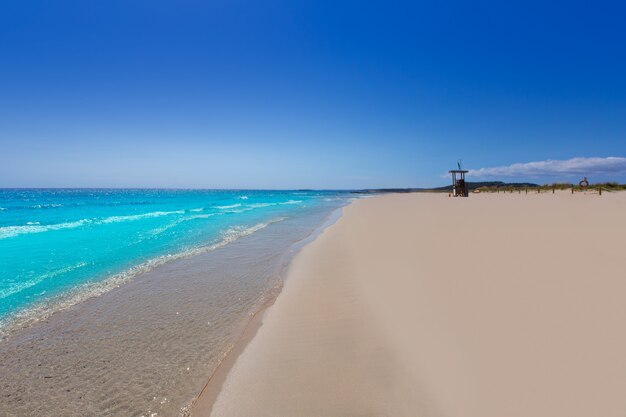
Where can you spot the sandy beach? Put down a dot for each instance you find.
(424, 305)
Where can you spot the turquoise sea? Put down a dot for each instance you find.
(55, 242)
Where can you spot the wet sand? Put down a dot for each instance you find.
(495, 305)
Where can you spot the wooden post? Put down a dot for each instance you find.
(552, 189)
(572, 189)
(526, 190)
(600, 190)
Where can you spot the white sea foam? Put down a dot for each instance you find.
(117, 219)
(175, 223)
(201, 216)
(238, 210)
(243, 197)
(83, 292)
(235, 207)
(36, 280)
(228, 207)
(15, 288)
(43, 206)
(196, 210)
(12, 231)
(163, 228)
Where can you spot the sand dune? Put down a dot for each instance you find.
(423, 305)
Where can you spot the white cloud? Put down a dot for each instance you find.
(552, 168)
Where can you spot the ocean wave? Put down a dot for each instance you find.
(229, 206)
(45, 309)
(237, 232)
(21, 286)
(33, 227)
(34, 207)
(201, 216)
(165, 227)
(12, 231)
(237, 208)
(241, 210)
(175, 223)
(243, 197)
(45, 206)
(196, 210)
(259, 205)
(117, 219)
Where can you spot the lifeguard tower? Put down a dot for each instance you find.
(459, 188)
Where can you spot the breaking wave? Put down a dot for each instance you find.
(229, 206)
(34, 281)
(32, 227)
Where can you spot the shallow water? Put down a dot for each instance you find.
(146, 345)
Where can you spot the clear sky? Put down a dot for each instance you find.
(309, 94)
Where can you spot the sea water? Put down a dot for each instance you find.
(55, 242)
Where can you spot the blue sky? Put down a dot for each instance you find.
(309, 94)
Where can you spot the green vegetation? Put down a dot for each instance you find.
(608, 186)
(504, 188)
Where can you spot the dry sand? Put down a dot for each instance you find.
(423, 305)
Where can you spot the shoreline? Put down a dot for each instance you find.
(204, 401)
(160, 335)
(497, 335)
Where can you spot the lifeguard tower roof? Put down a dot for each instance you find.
(457, 171)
